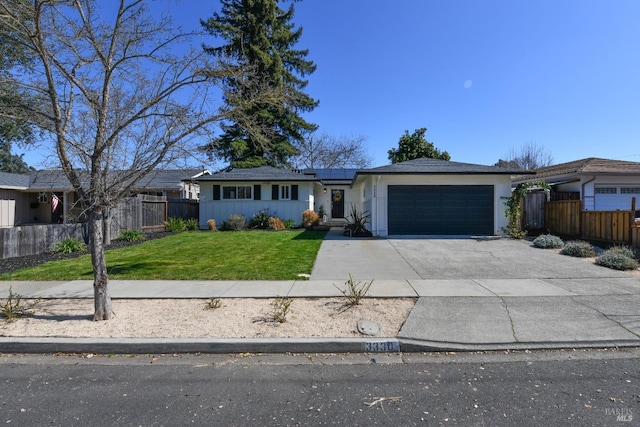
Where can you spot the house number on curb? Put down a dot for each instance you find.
(380, 346)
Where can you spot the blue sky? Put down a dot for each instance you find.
(484, 77)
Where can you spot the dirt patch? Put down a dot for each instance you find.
(188, 318)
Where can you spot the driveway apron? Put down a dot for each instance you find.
(363, 258)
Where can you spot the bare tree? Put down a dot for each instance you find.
(326, 151)
(530, 156)
(121, 92)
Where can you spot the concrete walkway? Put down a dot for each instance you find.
(481, 313)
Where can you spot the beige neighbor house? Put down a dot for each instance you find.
(417, 197)
(602, 184)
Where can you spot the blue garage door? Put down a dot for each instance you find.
(441, 209)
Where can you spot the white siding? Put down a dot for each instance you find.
(379, 194)
(609, 202)
(220, 210)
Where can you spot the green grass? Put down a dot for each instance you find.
(250, 255)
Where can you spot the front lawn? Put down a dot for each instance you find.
(197, 255)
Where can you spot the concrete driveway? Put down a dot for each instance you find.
(414, 258)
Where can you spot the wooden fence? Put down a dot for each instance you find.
(183, 208)
(567, 218)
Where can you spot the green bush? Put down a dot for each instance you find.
(69, 245)
(192, 224)
(289, 223)
(235, 223)
(578, 249)
(131, 235)
(626, 251)
(617, 261)
(548, 241)
(174, 224)
(260, 220)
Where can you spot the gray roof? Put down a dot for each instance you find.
(332, 175)
(441, 167)
(262, 173)
(588, 166)
(14, 181)
(163, 179)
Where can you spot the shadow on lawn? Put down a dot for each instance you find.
(310, 235)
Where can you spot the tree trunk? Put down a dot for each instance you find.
(101, 295)
(106, 226)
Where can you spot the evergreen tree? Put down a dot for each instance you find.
(415, 146)
(259, 39)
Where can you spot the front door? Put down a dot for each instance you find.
(337, 203)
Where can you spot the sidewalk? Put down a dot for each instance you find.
(482, 314)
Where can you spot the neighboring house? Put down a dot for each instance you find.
(47, 196)
(420, 197)
(601, 184)
(14, 203)
(284, 193)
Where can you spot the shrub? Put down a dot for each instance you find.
(192, 224)
(321, 212)
(235, 222)
(626, 251)
(548, 241)
(357, 223)
(174, 224)
(212, 225)
(275, 223)
(131, 235)
(355, 291)
(260, 220)
(288, 224)
(280, 307)
(213, 303)
(310, 218)
(13, 308)
(617, 261)
(69, 245)
(578, 249)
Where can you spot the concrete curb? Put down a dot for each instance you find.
(275, 345)
(197, 345)
(416, 346)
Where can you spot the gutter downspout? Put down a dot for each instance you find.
(375, 194)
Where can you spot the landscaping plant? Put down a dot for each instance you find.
(548, 241)
(276, 223)
(13, 308)
(617, 261)
(174, 224)
(357, 223)
(579, 249)
(355, 291)
(213, 303)
(192, 224)
(260, 220)
(212, 225)
(69, 245)
(131, 235)
(280, 308)
(310, 219)
(235, 222)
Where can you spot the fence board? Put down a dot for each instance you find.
(34, 239)
(563, 217)
(183, 208)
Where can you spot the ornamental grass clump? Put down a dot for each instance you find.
(578, 249)
(131, 235)
(616, 260)
(69, 245)
(548, 241)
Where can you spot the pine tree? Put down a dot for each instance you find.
(259, 39)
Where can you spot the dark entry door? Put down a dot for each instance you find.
(337, 203)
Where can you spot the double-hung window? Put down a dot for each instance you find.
(285, 192)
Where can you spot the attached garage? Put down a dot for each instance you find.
(441, 209)
(435, 197)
